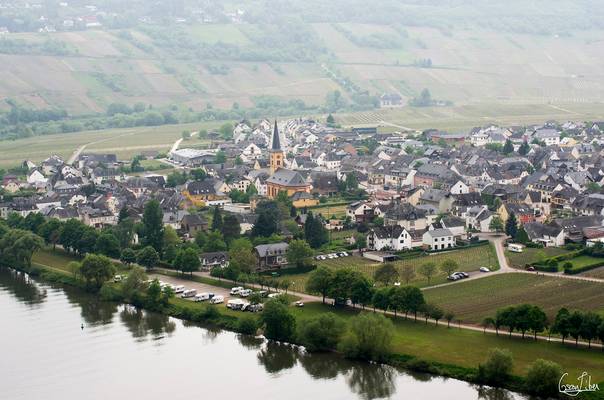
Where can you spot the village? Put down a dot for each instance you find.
(397, 191)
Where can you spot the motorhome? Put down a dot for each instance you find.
(245, 292)
(515, 247)
(236, 290)
(217, 300)
(179, 289)
(237, 304)
(202, 297)
(188, 293)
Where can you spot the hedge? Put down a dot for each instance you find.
(546, 268)
(578, 270)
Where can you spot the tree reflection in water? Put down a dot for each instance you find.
(491, 393)
(143, 325)
(250, 342)
(94, 311)
(369, 381)
(276, 357)
(21, 286)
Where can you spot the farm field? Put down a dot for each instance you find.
(328, 211)
(530, 255)
(125, 142)
(469, 348)
(594, 273)
(472, 301)
(468, 259)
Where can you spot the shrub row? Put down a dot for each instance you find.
(578, 270)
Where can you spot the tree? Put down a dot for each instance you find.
(153, 226)
(198, 174)
(330, 121)
(508, 147)
(542, 378)
(497, 368)
(128, 256)
(241, 256)
(299, 253)
(231, 228)
(561, 324)
(488, 321)
(369, 337)
(217, 219)
(449, 316)
(511, 225)
(386, 274)
(314, 231)
(268, 219)
(50, 231)
(522, 236)
(108, 245)
(278, 321)
(189, 261)
(537, 320)
(496, 225)
(361, 290)
(341, 284)
(414, 300)
(589, 326)
(381, 299)
(524, 149)
(226, 131)
(436, 313)
(96, 269)
(575, 321)
(321, 332)
(427, 270)
(214, 242)
(319, 281)
(74, 267)
(134, 284)
(449, 266)
(360, 240)
(147, 257)
(407, 273)
(220, 157)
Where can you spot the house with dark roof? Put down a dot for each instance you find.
(271, 256)
(192, 224)
(548, 235)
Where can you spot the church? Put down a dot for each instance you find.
(282, 179)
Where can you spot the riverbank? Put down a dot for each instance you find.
(439, 350)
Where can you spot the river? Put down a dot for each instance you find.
(124, 353)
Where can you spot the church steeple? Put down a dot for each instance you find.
(275, 152)
(276, 142)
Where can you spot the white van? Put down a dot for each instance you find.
(202, 297)
(217, 300)
(245, 292)
(515, 247)
(179, 289)
(273, 295)
(236, 290)
(188, 293)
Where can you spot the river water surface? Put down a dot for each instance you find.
(124, 353)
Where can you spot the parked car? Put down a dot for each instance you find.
(530, 268)
(515, 248)
(188, 293)
(217, 300)
(179, 289)
(484, 269)
(299, 304)
(254, 308)
(273, 295)
(453, 277)
(236, 290)
(236, 304)
(117, 278)
(343, 254)
(245, 292)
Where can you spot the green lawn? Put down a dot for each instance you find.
(583, 261)
(472, 301)
(530, 255)
(469, 348)
(468, 260)
(57, 259)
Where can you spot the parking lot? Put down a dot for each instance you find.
(200, 287)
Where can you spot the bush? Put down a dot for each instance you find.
(369, 337)
(542, 378)
(247, 325)
(321, 333)
(279, 323)
(496, 370)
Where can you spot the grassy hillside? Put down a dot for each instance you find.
(94, 68)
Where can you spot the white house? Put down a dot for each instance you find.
(392, 237)
(36, 177)
(459, 188)
(438, 239)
